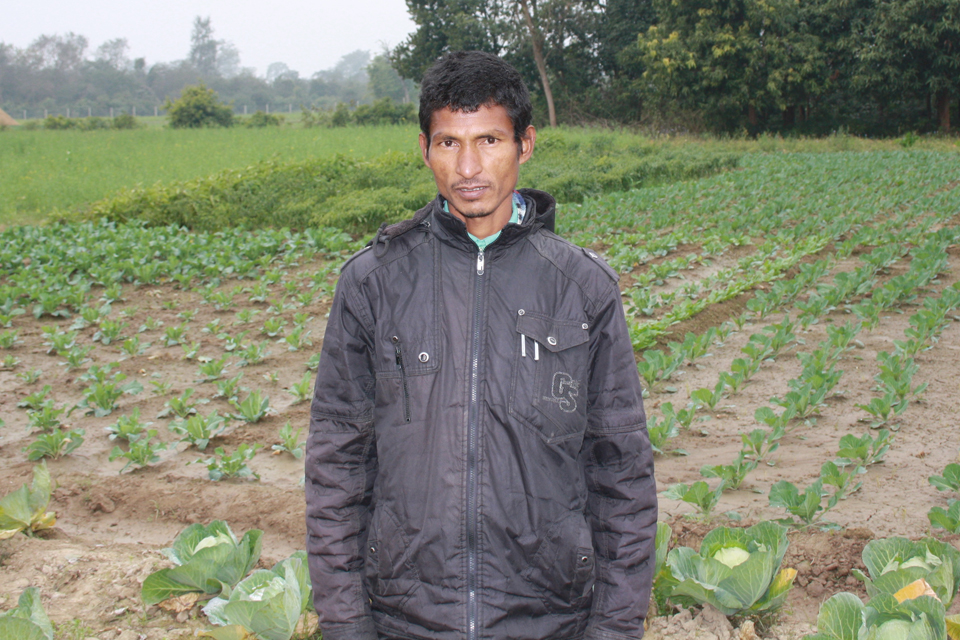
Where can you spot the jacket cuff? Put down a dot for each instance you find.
(596, 633)
(363, 630)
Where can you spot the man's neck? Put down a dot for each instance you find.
(487, 225)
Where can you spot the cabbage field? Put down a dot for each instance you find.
(795, 320)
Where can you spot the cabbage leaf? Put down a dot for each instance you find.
(26, 508)
(208, 559)
(28, 621)
(895, 562)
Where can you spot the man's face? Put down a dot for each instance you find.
(475, 160)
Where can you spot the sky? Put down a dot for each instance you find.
(307, 35)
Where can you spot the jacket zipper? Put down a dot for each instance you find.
(403, 378)
(473, 426)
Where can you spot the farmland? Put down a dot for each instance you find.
(775, 308)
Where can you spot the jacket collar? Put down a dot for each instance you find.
(541, 212)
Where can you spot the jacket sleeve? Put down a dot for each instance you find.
(617, 463)
(340, 468)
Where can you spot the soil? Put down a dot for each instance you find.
(111, 525)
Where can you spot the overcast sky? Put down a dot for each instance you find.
(307, 35)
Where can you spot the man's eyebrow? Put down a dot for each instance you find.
(491, 133)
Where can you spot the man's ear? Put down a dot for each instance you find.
(424, 148)
(527, 143)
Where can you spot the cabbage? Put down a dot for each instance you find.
(737, 570)
(893, 563)
(845, 617)
(267, 603)
(28, 621)
(208, 559)
(26, 508)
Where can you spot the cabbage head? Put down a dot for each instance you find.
(885, 617)
(893, 563)
(28, 621)
(737, 570)
(208, 559)
(267, 603)
(26, 508)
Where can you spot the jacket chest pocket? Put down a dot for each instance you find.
(549, 382)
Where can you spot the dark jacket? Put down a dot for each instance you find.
(478, 465)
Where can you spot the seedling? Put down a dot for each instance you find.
(129, 427)
(314, 362)
(253, 354)
(9, 362)
(142, 452)
(948, 518)
(231, 465)
(232, 343)
(807, 506)
(214, 327)
(950, 480)
(173, 336)
(55, 444)
(31, 376)
(151, 324)
(109, 331)
(732, 475)
(273, 327)
(245, 316)
(187, 316)
(37, 399)
(133, 346)
(213, 370)
(884, 408)
(229, 388)
(863, 451)
(760, 444)
(8, 339)
(76, 357)
(709, 398)
(46, 418)
(698, 494)
(160, 387)
(199, 430)
(180, 406)
(298, 339)
(100, 398)
(290, 441)
(302, 390)
(661, 430)
(253, 409)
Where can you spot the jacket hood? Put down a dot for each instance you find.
(541, 212)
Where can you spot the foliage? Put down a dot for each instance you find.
(950, 480)
(736, 570)
(198, 430)
(261, 119)
(142, 451)
(253, 409)
(208, 559)
(290, 441)
(807, 505)
(28, 620)
(56, 444)
(26, 508)
(267, 603)
(894, 563)
(231, 465)
(198, 107)
(698, 494)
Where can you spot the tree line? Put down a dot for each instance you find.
(875, 67)
(59, 72)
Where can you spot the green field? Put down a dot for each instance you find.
(45, 170)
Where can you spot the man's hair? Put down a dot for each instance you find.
(468, 80)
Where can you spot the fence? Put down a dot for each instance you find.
(110, 112)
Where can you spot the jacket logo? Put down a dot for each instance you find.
(564, 392)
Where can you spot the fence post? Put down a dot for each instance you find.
(154, 111)
(268, 107)
(68, 112)
(289, 108)
(24, 114)
(134, 112)
(244, 109)
(88, 112)
(45, 114)
(111, 112)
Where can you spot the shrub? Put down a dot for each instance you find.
(198, 107)
(125, 121)
(261, 119)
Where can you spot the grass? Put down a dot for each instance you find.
(45, 170)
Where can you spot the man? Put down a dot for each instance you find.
(478, 464)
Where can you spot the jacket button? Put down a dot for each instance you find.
(552, 341)
(585, 326)
(521, 312)
(424, 356)
(373, 549)
(584, 559)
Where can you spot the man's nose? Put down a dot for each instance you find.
(468, 162)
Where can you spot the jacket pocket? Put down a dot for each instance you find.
(390, 574)
(563, 569)
(549, 383)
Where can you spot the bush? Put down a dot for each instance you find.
(261, 119)
(125, 121)
(59, 123)
(198, 107)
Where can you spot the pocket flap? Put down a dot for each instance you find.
(555, 335)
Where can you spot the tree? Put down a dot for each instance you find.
(385, 82)
(536, 41)
(727, 58)
(203, 48)
(917, 50)
(114, 53)
(198, 107)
